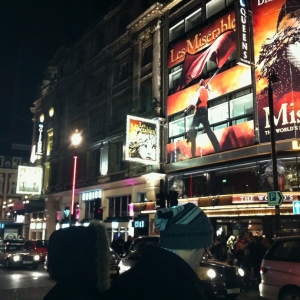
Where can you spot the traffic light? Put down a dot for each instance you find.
(160, 200)
(173, 198)
(98, 209)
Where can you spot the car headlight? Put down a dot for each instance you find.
(16, 258)
(36, 257)
(211, 273)
(241, 272)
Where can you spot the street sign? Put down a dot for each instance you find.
(275, 198)
(296, 207)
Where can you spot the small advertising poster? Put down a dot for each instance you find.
(29, 180)
(276, 29)
(142, 140)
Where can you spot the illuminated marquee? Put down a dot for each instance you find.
(29, 180)
(142, 140)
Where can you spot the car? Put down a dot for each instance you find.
(16, 255)
(218, 278)
(13, 241)
(280, 269)
(38, 246)
(114, 265)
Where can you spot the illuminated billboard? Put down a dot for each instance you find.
(213, 99)
(276, 26)
(29, 180)
(142, 140)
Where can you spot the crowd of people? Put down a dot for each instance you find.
(245, 250)
(119, 245)
(185, 235)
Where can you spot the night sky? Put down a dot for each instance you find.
(31, 31)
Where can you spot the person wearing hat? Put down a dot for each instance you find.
(78, 258)
(168, 271)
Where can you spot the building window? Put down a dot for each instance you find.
(118, 206)
(241, 106)
(100, 43)
(16, 162)
(225, 111)
(97, 121)
(142, 197)
(50, 142)
(193, 20)
(123, 71)
(124, 107)
(13, 187)
(215, 6)
(176, 31)
(146, 95)
(80, 59)
(1, 161)
(101, 85)
(147, 55)
(174, 77)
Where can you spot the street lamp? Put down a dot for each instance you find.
(76, 140)
(272, 78)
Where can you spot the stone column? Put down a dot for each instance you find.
(156, 67)
(136, 73)
(153, 185)
(51, 207)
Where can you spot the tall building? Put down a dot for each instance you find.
(223, 57)
(114, 70)
(12, 205)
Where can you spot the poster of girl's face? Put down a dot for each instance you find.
(276, 29)
(142, 142)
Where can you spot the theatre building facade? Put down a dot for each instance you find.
(218, 150)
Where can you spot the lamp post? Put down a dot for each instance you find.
(272, 78)
(76, 140)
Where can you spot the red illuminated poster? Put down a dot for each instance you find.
(201, 39)
(276, 29)
(194, 56)
(229, 138)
